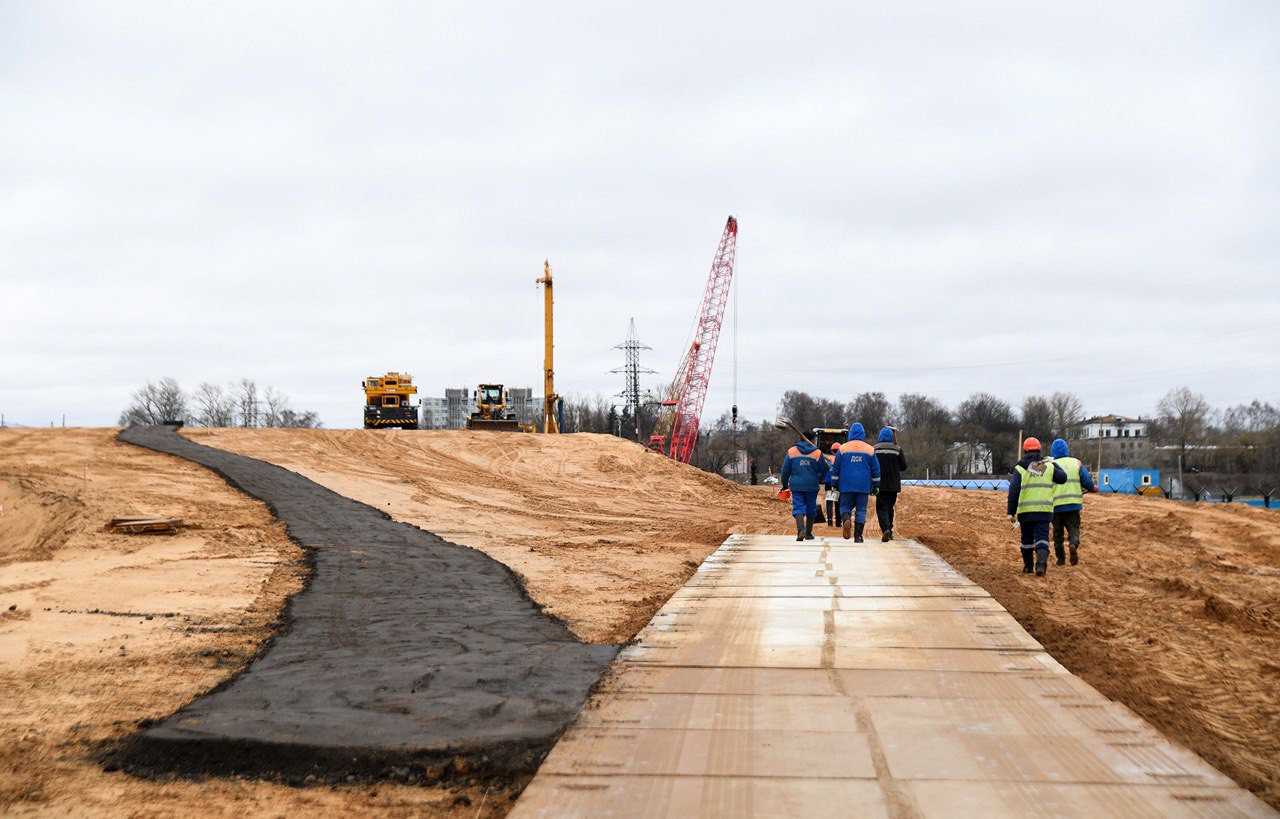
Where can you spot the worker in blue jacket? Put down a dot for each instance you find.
(858, 471)
(833, 490)
(803, 471)
(1068, 500)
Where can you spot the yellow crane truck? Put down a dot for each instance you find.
(388, 402)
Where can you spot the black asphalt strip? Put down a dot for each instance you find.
(403, 652)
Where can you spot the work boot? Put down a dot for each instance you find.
(799, 526)
(808, 529)
(857, 532)
(887, 536)
(1060, 554)
(1042, 561)
(1028, 561)
(848, 528)
(1075, 555)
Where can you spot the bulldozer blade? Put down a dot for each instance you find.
(494, 425)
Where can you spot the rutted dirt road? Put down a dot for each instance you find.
(1174, 611)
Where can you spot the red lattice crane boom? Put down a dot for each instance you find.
(689, 389)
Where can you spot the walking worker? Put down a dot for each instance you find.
(833, 491)
(1068, 500)
(892, 463)
(858, 471)
(1031, 487)
(803, 472)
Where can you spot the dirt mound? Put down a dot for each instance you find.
(1172, 610)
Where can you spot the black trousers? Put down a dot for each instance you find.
(885, 502)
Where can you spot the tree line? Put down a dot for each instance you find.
(1241, 440)
(239, 404)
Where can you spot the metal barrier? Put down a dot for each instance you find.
(997, 485)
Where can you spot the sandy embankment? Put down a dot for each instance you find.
(1173, 611)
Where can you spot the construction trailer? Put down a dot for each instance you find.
(388, 402)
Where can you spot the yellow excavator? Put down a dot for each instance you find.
(491, 411)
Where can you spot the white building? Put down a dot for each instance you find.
(435, 413)
(967, 459)
(1113, 426)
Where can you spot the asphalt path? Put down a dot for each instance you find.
(404, 653)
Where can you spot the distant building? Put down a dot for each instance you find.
(459, 407)
(964, 458)
(526, 406)
(1113, 426)
(1115, 441)
(435, 413)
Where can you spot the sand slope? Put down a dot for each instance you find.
(1174, 610)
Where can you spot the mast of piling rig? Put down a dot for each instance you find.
(549, 423)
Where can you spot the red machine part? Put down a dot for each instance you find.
(694, 376)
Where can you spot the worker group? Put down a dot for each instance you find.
(1046, 494)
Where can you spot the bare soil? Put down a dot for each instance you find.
(1174, 609)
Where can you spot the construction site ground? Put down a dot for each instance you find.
(1174, 610)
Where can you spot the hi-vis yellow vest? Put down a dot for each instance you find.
(1069, 493)
(1036, 491)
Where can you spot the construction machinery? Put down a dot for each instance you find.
(688, 392)
(388, 402)
(824, 437)
(550, 423)
(491, 411)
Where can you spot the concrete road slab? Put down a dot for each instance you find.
(982, 800)
(701, 752)
(587, 797)
(778, 684)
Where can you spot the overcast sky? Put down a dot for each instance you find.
(932, 197)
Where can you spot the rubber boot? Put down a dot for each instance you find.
(1075, 555)
(1028, 561)
(1060, 554)
(808, 529)
(848, 528)
(799, 526)
(1042, 560)
(857, 532)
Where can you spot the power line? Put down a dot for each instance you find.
(632, 369)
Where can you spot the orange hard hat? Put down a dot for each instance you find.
(1031, 444)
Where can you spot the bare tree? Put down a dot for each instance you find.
(808, 412)
(299, 420)
(215, 407)
(1037, 416)
(247, 402)
(873, 410)
(1183, 418)
(1068, 412)
(275, 403)
(155, 404)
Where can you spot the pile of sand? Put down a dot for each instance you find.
(1173, 611)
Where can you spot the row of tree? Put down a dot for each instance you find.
(1242, 439)
(239, 404)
